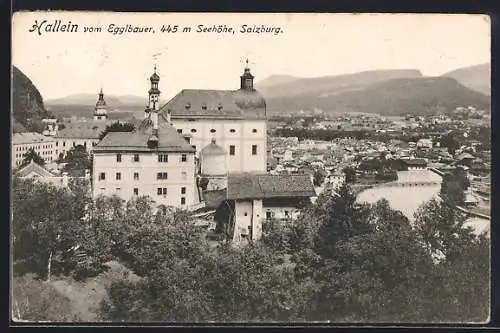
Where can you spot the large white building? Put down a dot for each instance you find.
(153, 160)
(236, 119)
(45, 146)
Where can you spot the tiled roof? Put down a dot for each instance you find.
(168, 139)
(29, 137)
(236, 104)
(82, 130)
(260, 186)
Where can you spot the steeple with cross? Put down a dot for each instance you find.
(246, 82)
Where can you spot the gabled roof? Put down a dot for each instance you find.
(231, 104)
(33, 167)
(82, 130)
(260, 186)
(137, 140)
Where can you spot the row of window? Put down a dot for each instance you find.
(162, 158)
(213, 130)
(75, 144)
(38, 147)
(159, 175)
(161, 191)
(232, 150)
(42, 153)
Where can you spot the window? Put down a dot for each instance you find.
(136, 176)
(194, 147)
(254, 130)
(183, 158)
(193, 130)
(163, 158)
(183, 190)
(203, 106)
(162, 191)
(213, 130)
(232, 150)
(136, 191)
(162, 175)
(179, 130)
(118, 189)
(184, 175)
(254, 149)
(136, 157)
(118, 157)
(183, 201)
(246, 214)
(232, 130)
(118, 176)
(102, 176)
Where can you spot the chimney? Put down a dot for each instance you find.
(65, 179)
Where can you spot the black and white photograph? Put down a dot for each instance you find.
(252, 168)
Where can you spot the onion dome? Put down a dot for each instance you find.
(155, 78)
(249, 99)
(212, 149)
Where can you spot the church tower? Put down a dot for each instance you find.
(247, 79)
(100, 110)
(154, 99)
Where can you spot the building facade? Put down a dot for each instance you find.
(236, 119)
(45, 146)
(153, 160)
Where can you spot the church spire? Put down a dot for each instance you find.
(100, 110)
(246, 82)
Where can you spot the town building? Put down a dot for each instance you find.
(153, 160)
(39, 173)
(45, 146)
(236, 119)
(252, 198)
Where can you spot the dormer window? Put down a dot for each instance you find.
(219, 107)
(204, 106)
(188, 106)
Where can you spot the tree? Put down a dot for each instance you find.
(32, 155)
(204, 183)
(77, 159)
(350, 175)
(453, 187)
(318, 177)
(117, 127)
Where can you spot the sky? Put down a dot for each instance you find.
(308, 45)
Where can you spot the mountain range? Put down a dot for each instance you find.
(386, 92)
(112, 101)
